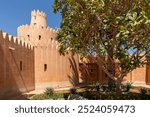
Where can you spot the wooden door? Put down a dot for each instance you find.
(148, 75)
(92, 72)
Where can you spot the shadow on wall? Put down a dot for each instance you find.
(19, 72)
(89, 73)
(84, 73)
(89, 70)
(12, 81)
(74, 69)
(9, 87)
(7, 79)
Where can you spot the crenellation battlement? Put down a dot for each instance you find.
(26, 44)
(26, 26)
(57, 29)
(1, 35)
(38, 18)
(12, 39)
(28, 34)
(34, 47)
(38, 13)
(4, 34)
(15, 39)
(51, 30)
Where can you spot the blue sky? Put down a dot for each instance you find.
(14, 13)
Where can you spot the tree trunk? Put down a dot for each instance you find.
(111, 70)
(118, 85)
(111, 65)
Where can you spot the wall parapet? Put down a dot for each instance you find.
(4, 36)
(27, 27)
(40, 13)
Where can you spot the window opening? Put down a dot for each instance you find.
(39, 37)
(45, 67)
(20, 65)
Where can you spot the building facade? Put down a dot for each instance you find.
(31, 61)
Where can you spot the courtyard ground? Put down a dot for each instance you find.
(26, 96)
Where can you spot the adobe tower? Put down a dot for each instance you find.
(51, 69)
(38, 18)
(37, 33)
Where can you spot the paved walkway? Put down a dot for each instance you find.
(62, 89)
(56, 89)
(25, 95)
(42, 91)
(141, 85)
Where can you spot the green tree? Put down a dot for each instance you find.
(114, 30)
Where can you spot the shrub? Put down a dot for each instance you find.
(57, 96)
(104, 88)
(143, 94)
(73, 91)
(97, 86)
(148, 91)
(143, 91)
(66, 96)
(39, 97)
(88, 94)
(49, 91)
(128, 86)
(111, 87)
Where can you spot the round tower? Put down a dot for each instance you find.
(37, 33)
(38, 19)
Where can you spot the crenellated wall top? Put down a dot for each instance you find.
(12, 39)
(38, 13)
(37, 27)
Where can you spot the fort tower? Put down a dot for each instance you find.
(38, 18)
(50, 68)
